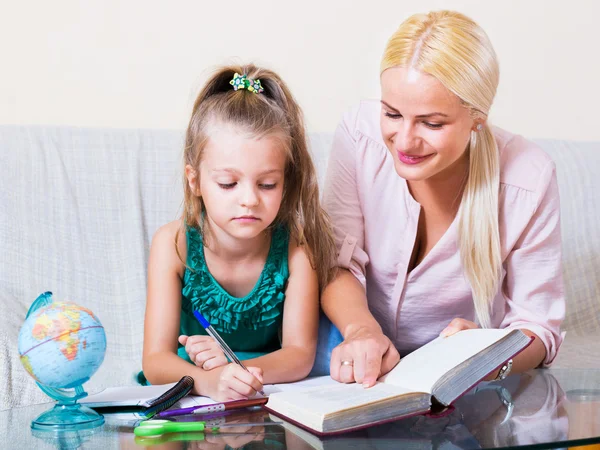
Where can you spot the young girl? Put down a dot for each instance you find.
(252, 236)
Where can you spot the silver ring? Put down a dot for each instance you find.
(347, 363)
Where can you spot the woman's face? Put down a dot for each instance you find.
(423, 124)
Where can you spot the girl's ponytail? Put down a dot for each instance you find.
(274, 110)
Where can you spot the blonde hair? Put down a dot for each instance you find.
(274, 111)
(457, 52)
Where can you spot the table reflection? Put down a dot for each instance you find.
(242, 436)
(525, 409)
(529, 409)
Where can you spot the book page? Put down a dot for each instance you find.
(301, 385)
(190, 401)
(126, 395)
(333, 398)
(422, 368)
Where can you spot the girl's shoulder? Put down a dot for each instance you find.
(169, 243)
(298, 257)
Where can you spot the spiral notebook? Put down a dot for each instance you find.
(148, 400)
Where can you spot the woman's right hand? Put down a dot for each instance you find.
(232, 382)
(364, 356)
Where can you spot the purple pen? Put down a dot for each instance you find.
(212, 333)
(213, 408)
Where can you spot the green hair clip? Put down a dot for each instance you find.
(243, 82)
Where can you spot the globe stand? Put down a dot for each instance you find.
(67, 419)
(67, 414)
(64, 440)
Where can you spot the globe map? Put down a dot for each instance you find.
(62, 345)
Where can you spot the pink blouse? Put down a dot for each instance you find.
(375, 223)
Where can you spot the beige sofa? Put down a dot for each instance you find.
(78, 208)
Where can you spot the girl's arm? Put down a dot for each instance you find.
(163, 309)
(300, 324)
(160, 361)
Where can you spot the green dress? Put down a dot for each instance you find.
(250, 325)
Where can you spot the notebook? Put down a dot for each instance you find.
(431, 377)
(147, 400)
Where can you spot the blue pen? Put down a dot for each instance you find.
(212, 333)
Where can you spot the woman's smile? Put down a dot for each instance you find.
(412, 159)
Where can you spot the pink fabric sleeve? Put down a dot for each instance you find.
(533, 285)
(342, 202)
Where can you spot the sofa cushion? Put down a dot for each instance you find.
(578, 172)
(79, 208)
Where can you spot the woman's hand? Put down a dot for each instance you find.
(203, 351)
(363, 357)
(232, 382)
(457, 325)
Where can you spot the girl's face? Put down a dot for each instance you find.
(423, 124)
(241, 182)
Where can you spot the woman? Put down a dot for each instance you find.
(443, 223)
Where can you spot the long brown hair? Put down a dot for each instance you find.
(273, 111)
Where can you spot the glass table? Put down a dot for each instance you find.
(539, 409)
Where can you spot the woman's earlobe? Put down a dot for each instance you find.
(477, 126)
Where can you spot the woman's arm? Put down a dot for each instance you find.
(300, 324)
(160, 361)
(533, 285)
(529, 358)
(344, 301)
(371, 352)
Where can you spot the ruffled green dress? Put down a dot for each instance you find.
(250, 325)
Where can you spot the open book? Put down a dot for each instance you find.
(436, 374)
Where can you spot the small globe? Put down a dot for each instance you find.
(62, 344)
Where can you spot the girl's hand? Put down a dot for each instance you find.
(203, 351)
(364, 356)
(232, 382)
(457, 325)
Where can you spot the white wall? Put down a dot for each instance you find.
(139, 63)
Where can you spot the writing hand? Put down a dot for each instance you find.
(232, 382)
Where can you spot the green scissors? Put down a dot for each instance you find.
(156, 440)
(149, 428)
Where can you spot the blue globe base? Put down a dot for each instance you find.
(70, 417)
